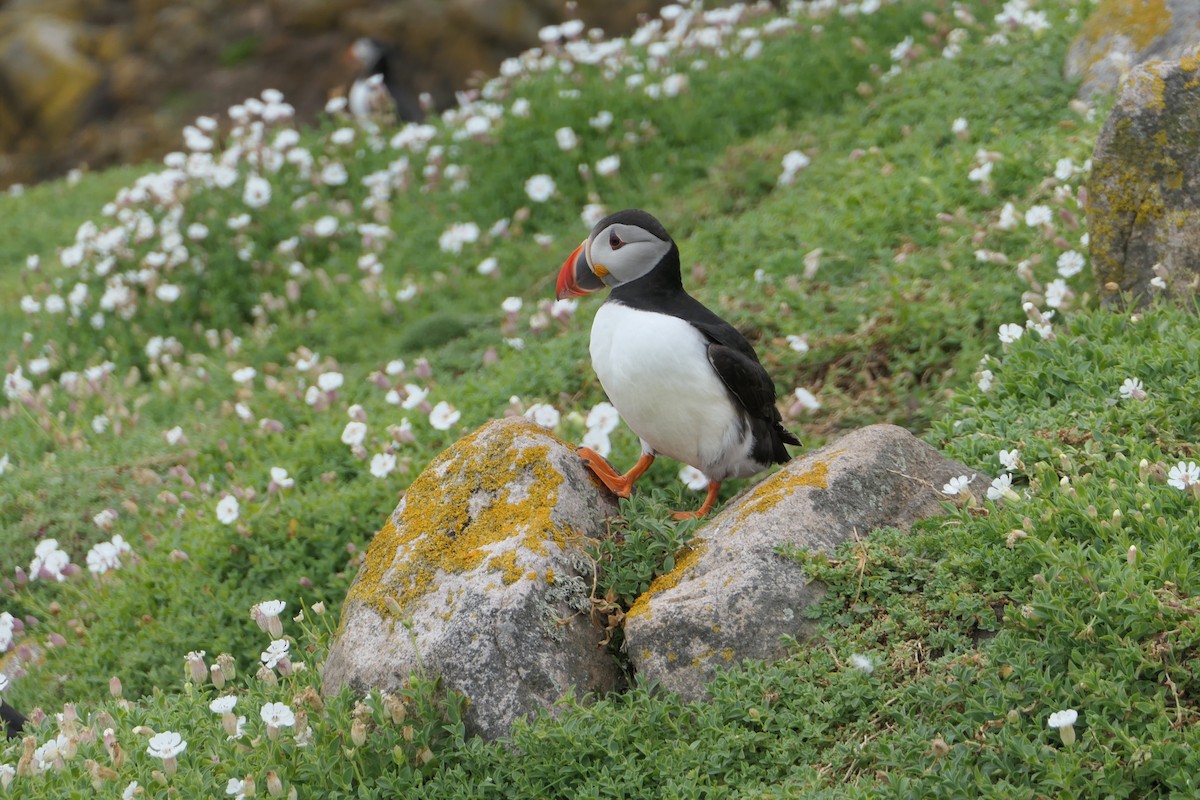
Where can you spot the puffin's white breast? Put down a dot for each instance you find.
(655, 370)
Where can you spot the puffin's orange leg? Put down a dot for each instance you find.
(710, 500)
(620, 485)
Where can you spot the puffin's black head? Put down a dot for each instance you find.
(622, 247)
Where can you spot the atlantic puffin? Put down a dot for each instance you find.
(686, 381)
(379, 86)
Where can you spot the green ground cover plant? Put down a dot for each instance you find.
(221, 373)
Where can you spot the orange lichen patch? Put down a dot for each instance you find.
(1143, 21)
(782, 484)
(458, 509)
(683, 563)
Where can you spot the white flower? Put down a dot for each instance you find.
(415, 396)
(1157, 282)
(798, 343)
(1061, 719)
(596, 439)
(1038, 215)
(986, 378)
(167, 744)
(1064, 721)
(693, 478)
(1132, 389)
(3, 681)
(244, 375)
(1064, 169)
(959, 126)
(1070, 263)
(602, 120)
(566, 138)
(334, 174)
(1184, 475)
(102, 558)
(608, 166)
(1001, 487)
(1009, 459)
(228, 509)
(543, 414)
(326, 226)
(330, 381)
(223, 704)
(277, 715)
(1010, 332)
(540, 188)
(257, 192)
(279, 477)
(443, 416)
(276, 651)
(234, 786)
(1056, 292)
(807, 399)
(511, 305)
(270, 608)
(48, 561)
(488, 266)
(592, 213)
(457, 235)
(957, 485)
(603, 417)
(4, 463)
(167, 292)
(382, 464)
(354, 433)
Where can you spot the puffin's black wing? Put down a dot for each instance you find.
(738, 367)
(12, 721)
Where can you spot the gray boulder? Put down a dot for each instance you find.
(478, 577)
(1119, 35)
(732, 596)
(1144, 191)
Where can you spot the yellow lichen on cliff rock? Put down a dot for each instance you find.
(1143, 21)
(690, 555)
(457, 511)
(783, 484)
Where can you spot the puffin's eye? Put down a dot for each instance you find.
(614, 241)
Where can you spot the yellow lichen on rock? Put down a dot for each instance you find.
(782, 484)
(1143, 21)
(683, 563)
(457, 510)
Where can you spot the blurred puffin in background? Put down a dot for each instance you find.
(381, 87)
(686, 381)
(13, 721)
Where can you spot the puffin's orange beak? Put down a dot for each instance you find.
(576, 278)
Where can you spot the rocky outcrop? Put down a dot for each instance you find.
(1121, 34)
(479, 577)
(93, 82)
(733, 596)
(1144, 191)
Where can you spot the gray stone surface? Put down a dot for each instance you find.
(732, 596)
(1144, 191)
(478, 577)
(1121, 34)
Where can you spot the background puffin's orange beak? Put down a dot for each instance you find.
(576, 278)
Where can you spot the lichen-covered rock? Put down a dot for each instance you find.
(478, 577)
(1121, 34)
(733, 596)
(1144, 191)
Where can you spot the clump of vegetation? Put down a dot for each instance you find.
(218, 383)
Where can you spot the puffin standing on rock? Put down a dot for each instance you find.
(685, 380)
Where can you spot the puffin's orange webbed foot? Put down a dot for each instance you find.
(620, 485)
(710, 500)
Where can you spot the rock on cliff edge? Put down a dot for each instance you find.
(733, 595)
(478, 577)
